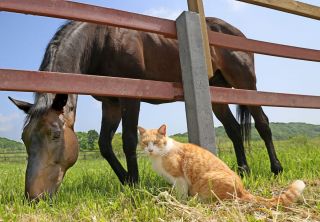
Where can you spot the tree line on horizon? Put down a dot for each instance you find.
(280, 131)
(88, 141)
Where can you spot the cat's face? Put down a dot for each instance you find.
(154, 142)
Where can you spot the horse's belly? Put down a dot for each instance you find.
(161, 58)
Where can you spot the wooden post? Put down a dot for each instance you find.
(197, 7)
(195, 83)
(289, 6)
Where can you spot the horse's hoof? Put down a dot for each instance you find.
(242, 170)
(276, 169)
(130, 180)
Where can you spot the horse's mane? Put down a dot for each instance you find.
(43, 101)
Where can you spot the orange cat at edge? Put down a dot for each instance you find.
(193, 169)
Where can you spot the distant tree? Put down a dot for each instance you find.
(83, 140)
(117, 142)
(92, 137)
(96, 145)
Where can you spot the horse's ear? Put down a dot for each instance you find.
(59, 101)
(24, 106)
(142, 130)
(162, 130)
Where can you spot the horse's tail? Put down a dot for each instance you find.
(244, 118)
(286, 199)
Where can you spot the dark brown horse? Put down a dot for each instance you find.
(109, 51)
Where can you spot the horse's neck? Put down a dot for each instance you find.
(76, 48)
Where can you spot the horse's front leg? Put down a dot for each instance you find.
(130, 109)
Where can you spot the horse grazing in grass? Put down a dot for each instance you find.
(110, 51)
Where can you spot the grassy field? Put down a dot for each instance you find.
(91, 192)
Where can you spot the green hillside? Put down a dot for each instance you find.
(280, 131)
(7, 145)
(89, 140)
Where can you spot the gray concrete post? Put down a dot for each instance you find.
(195, 82)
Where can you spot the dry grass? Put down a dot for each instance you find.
(240, 211)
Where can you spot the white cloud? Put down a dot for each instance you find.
(235, 5)
(6, 121)
(163, 13)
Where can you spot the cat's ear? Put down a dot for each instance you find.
(162, 130)
(142, 130)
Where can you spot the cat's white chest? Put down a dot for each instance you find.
(158, 168)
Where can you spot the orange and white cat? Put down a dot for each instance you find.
(193, 170)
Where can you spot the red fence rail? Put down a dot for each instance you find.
(91, 13)
(265, 48)
(34, 81)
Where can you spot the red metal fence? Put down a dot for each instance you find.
(19, 80)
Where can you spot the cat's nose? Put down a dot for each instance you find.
(150, 150)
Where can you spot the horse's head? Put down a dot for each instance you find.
(51, 143)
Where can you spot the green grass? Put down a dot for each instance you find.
(90, 191)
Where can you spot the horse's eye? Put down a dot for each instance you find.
(156, 142)
(56, 135)
(145, 142)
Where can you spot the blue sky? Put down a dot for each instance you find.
(23, 40)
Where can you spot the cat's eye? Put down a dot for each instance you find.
(156, 142)
(145, 142)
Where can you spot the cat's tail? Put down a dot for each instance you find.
(286, 199)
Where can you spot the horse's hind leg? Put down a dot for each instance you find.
(111, 116)
(232, 127)
(262, 125)
(130, 109)
(238, 71)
